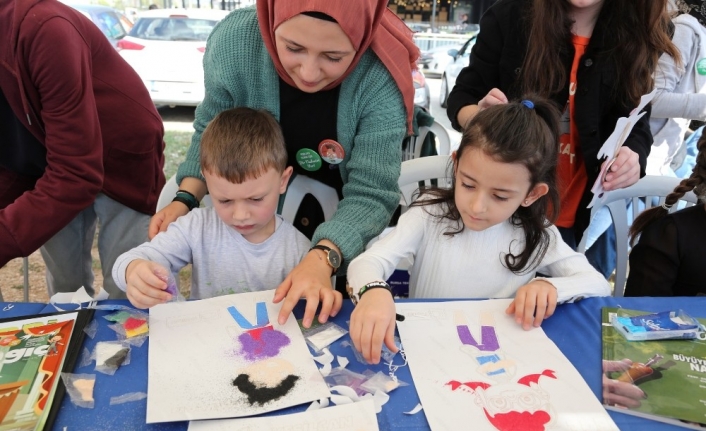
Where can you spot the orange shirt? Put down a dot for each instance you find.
(571, 171)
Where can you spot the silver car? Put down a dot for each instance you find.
(459, 60)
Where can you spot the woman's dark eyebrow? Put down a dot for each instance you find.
(325, 52)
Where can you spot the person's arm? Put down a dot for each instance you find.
(570, 272)
(668, 75)
(654, 261)
(171, 249)
(73, 178)
(482, 73)
(373, 320)
(379, 262)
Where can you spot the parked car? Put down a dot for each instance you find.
(434, 61)
(459, 60)
(422, 95)
(111, 22)
(165, 47)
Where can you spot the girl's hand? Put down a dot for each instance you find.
(160, 221)
(144, 288)
(534, 302)
(311, 279)
(372, 322)
(624, 171)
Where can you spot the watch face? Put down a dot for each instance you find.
(334, 259)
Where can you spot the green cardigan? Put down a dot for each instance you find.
(371, 125)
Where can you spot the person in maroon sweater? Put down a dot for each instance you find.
(80, 142)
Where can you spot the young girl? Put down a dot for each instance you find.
(668, 260)
(486, 237)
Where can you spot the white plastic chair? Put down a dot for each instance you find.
(169, 191)
(302, 185)
(420, 172)
(298, 188)
(443, 141)
(641, 195)
(416, 173)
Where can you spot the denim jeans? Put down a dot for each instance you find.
(600, 245)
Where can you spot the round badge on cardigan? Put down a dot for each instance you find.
(308, 159)
(331, 151)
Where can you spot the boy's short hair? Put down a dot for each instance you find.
(241, 144)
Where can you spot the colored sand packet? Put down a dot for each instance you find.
(134, 327)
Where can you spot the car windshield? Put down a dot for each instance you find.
(110, 24)
(171, 28)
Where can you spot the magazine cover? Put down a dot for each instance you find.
(663, 380)
(33, 352)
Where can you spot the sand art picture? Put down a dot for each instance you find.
(227, 357)
(471, 363)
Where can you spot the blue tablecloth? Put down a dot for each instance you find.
(575, 328)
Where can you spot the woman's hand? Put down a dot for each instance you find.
(372, 322)
(311, 279)
(624, 171)
(534, 302)
(494, 97)
(160, 221)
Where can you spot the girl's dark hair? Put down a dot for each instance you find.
(513, 133)
(696, 182)
(640, 34)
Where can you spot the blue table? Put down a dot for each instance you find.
(575, 328)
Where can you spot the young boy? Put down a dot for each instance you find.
(240, 244)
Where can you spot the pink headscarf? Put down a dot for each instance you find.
(367, 23)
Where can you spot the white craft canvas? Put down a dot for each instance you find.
(359, 416)
(473, 364)
(199, 350)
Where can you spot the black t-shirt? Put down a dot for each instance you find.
(306, 120)
(20, 151)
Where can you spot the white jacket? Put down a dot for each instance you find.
(681, 94)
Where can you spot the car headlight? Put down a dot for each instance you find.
(420, 96)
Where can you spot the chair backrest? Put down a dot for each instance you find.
(416, 173)
(424, 171)
(443, 141)
(648, 192)
(169, 191)
(300, 186)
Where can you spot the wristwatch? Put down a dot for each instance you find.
(332, 257)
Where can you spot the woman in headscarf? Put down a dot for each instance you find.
(332, 73)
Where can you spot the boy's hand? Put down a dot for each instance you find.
(144, 288)
(534, 302)
(372, 322)
(311, 279)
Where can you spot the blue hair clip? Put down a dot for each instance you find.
(528, 103)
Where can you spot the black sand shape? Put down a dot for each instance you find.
(265, 394)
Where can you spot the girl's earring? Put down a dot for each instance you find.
(526, 202)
